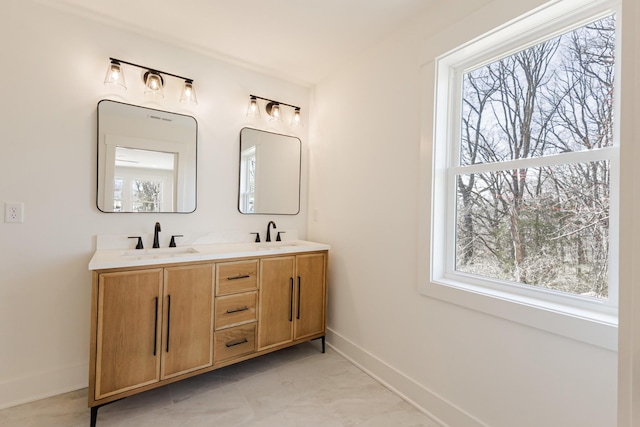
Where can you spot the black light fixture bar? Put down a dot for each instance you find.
(275, 102)
(187, 79)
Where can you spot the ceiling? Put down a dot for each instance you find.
(301, 40)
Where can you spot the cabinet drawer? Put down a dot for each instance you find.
(235, 277)
(233, 342)
(232, 310)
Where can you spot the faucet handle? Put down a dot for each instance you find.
(139, 245)
(172, 243)
(257, 237)
(278, 239)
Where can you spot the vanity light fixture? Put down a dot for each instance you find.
(273, 109)
(153, 80)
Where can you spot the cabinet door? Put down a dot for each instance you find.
(128, 334)
(276, 301)
(187, 328)
(310, 295)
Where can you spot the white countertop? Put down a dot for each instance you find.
(116, 258)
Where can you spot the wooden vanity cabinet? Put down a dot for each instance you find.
(151, 326)
(292, 299)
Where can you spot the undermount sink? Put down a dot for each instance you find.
(159, 252)
(276, 245)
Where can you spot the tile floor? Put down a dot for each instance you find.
(298, 386)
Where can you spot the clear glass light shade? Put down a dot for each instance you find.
(114, 75)
(273, 110)
(296, 120)
(253, 111)
(153, 82)
(188, 94)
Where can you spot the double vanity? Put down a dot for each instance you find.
(164, 314)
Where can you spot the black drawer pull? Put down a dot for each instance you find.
(237, 342)
(298, 316)
(291, 302)
(168, 320)
(246, 276)
(235, 310)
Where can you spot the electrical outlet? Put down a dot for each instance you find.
(13, 212)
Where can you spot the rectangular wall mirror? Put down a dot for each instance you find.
(269, 173)
(146, 159)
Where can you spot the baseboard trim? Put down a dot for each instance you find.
(408, 389)
(42, 385)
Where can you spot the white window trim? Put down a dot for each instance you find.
(586, 320)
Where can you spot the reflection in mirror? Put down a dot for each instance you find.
(146, 159)
(144, 181)
(269, 173)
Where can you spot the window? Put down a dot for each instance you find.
(525, 176)
(146, 195)
(248, 180)
(137, 194)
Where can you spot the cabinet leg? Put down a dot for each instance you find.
(320, 338)
(94, 416)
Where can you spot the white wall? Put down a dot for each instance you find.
(464, 367)
(53, 68)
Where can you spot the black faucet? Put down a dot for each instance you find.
(269, 230)
(156, 230)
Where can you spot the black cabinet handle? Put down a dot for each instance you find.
(238, 342)
(236, 310)
(168, 319)
(245, 276)
(291, 302)
(298, 316)
(155, 330)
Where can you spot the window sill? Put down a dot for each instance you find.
(598, 329)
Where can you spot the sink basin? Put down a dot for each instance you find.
(276, 245)
(158, 253)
